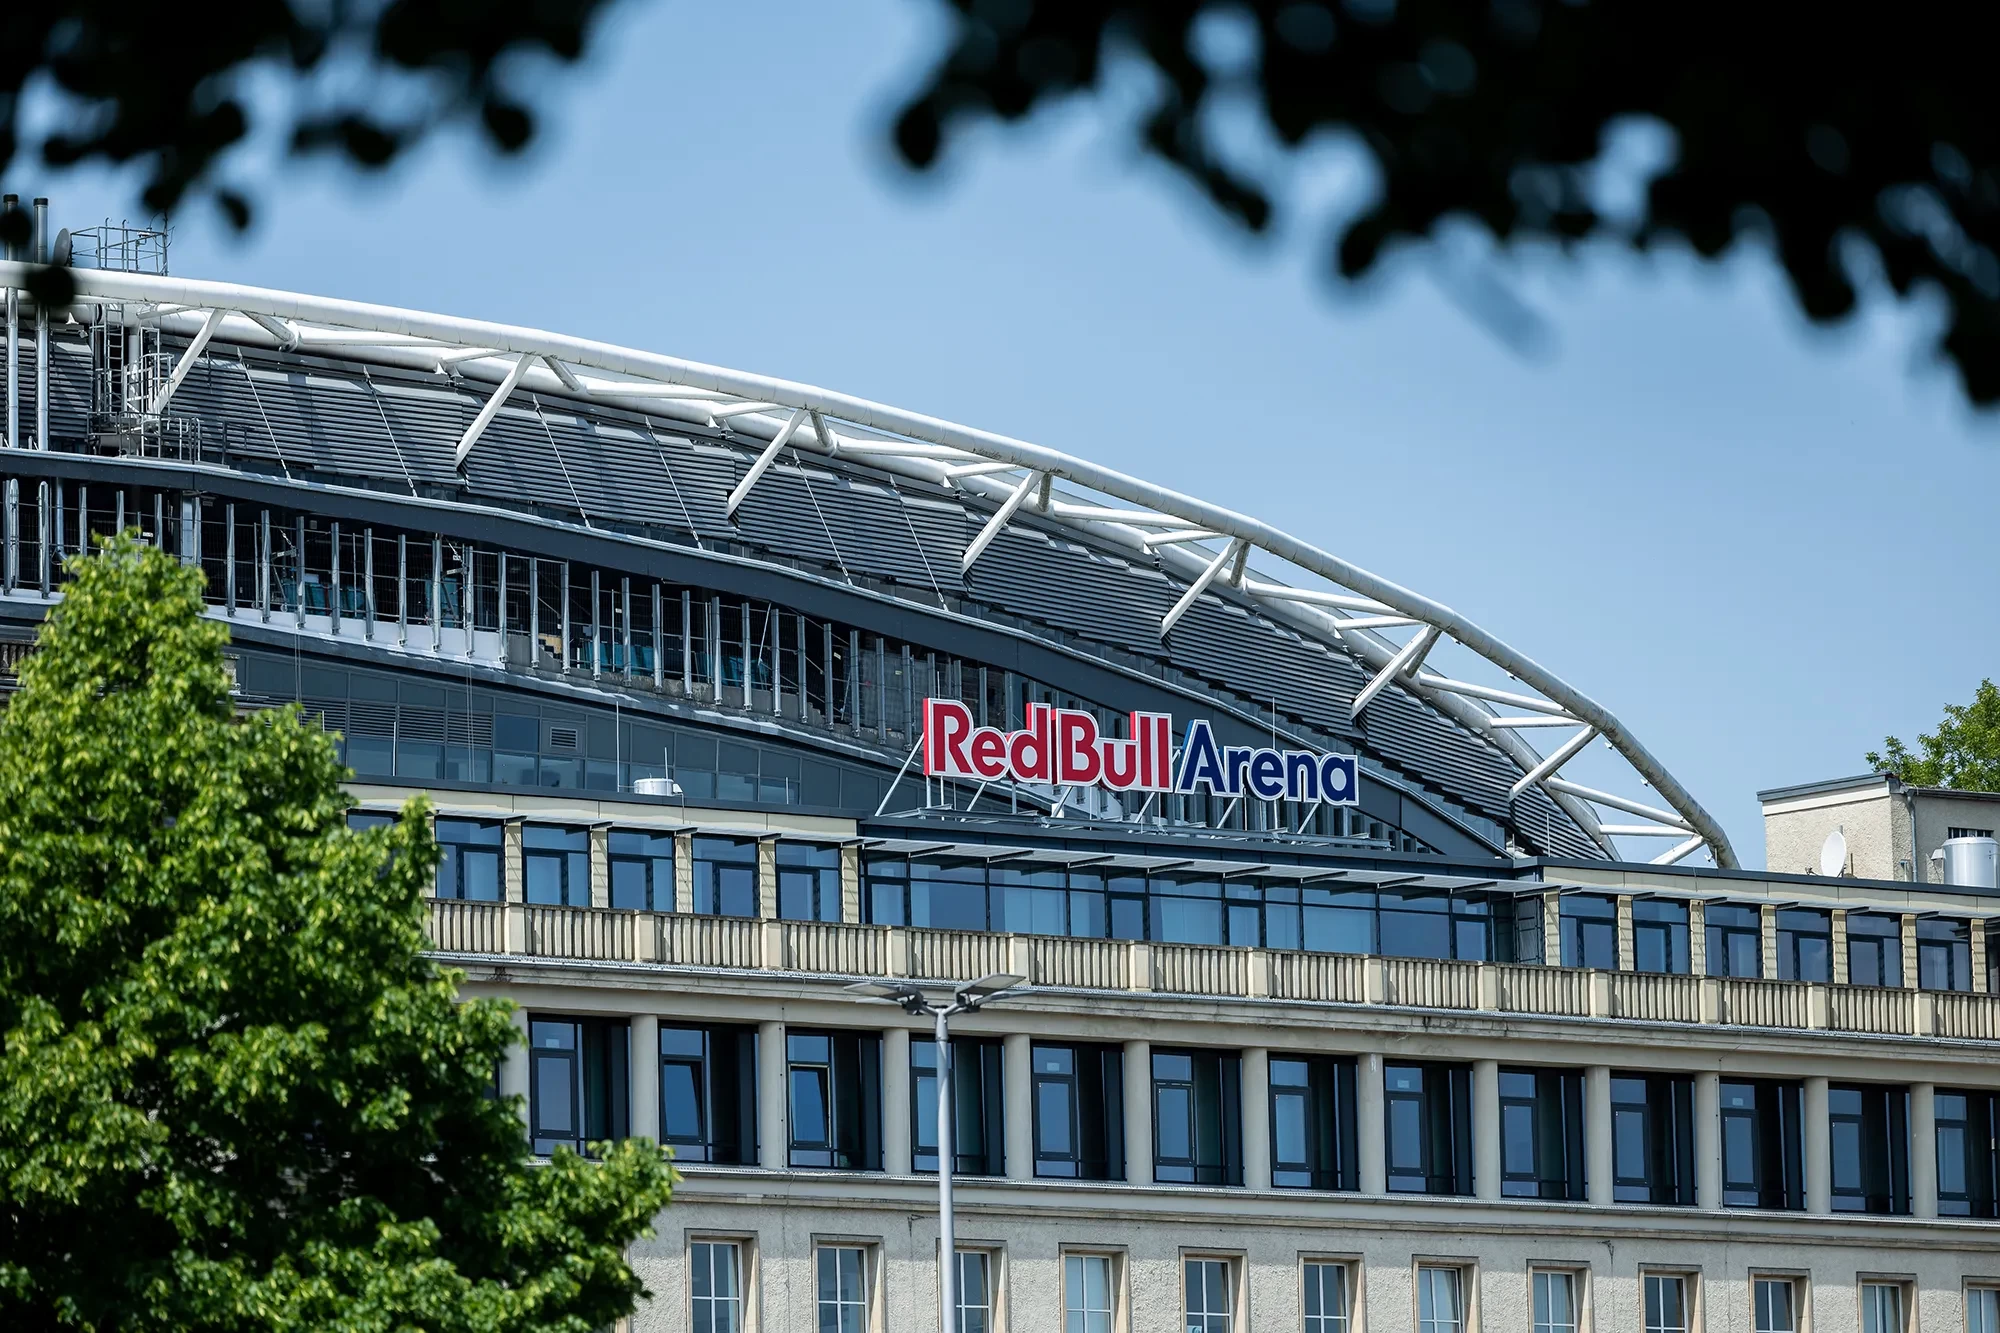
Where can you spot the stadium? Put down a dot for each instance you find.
(734, 694)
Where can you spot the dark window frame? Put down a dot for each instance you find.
(1319, 1092)
(1875, 1119)
(1551, 1103)
(1763, 1144)
(723, 1078)
(1802, 932)
(1662, 1106)
(561, 849)
(1971, 1187)
(462, 844)
(721, 887)
(1441, 1099)
(1213, 1123)
(978, 1094)
(1660, 929)
(1088, 1081)
(1588, 926)
(597, 1082)
(639, 850)
(846, 1066)
(1728, 925)
(1877, 939)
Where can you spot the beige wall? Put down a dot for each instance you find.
(1870, 819)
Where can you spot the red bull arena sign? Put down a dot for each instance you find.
(1063, 747)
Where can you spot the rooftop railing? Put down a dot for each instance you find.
(591, 934)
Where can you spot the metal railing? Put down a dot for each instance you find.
(590, 934)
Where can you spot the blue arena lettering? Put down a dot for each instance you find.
(1201, 762)
(1267, 773)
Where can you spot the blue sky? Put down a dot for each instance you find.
(1761, 545)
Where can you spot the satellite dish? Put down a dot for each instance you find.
(1833, 854)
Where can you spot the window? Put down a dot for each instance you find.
(555, 865)
(1197, 1118)
(1944, 954)
(1326, 1298)
(1541, 1134)
(1555, 1301)
(1735, 940)
(834, 1084)
(1982, 1310)
(1439, 1301)
(1776, 1302)
(1666, 1303)
(1210, 1300)
(843, 1289)
(1968, 1168)
(977, 1096)
(1312, 1123)
(708, 1093)
(808, 882)
(1660, 935)
(578, 1092)
(1881, 1307)
(642, 871)
(974, 1292)
(1589, 930)
(1429, 1114)
(1870, 1142)
(1762, 1145)
(1079, 1096)
(361, 821)
(1954, 831)
(715, 1286)
(1652, 1138)
(1874, 949)
(1087, 1293)
(725, 877)
(1805, 945)
(468, 860)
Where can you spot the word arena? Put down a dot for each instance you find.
(1063, 747)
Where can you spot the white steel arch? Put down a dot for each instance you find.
(1209, 548)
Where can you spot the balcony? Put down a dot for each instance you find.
(587, 934)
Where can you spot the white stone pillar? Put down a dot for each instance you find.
(897, 1143)
(774, 1148)
(1486, 1128)
(1818, 1150)
(1708, 1140)
(645, 1079)
(514, 1066)
(1600, 1164)
(1923, 1150)
(1257, 1118)
(1138, 1112)
(1371, 1132)
(1017, 1076)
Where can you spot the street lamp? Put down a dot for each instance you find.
(996, 986)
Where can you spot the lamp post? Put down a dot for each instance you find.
(997, 986)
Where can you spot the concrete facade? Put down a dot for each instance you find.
(1889, 827)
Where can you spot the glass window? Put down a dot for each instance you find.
(642, 870)
(975, 1292)
(1079, 1101)
(1210, 1302)
(1805, 945)
(1944, 954)
(1087, 1294)
(725, 877)
(1762, 1145)
(1869, 1140)
(1660, 935)
(1555, 1301)
(715, 1286)
(1312, 1123)
(1197, 1118)
(1881, 1307)
(1982, 1310)
(1776, 1305)
(1652, 1139)
(708, 1093)
(468, 860)
(1589, 930)
(1429, 1114)
(1735, 940)
(1326, 1298)
(1968, 1166)
(1666, 1303)
(1439, 1309)
(834, 1086)
(843, 1289)
(1541, 1134)
(808, 882)
(578, 1090)
(1874, 949)
(978, 1099)
(555, 865)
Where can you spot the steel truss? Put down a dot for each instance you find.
(1210, 550)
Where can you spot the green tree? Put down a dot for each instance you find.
(1963, 753)
(233, 1094)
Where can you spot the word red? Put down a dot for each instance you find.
(1057, 747)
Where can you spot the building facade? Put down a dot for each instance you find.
(1440, 1056)
(1889, 829)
